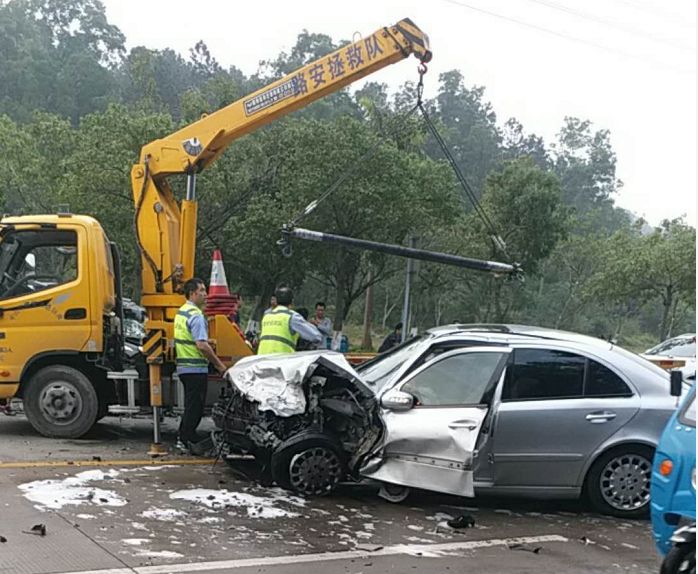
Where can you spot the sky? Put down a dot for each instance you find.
(628, 66)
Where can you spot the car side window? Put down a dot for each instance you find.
(544, 374)
(603, 382)
(460, 379)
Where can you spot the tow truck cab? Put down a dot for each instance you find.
(60, 324)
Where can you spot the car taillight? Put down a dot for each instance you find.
(665, 467)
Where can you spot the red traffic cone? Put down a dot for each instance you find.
(220, 301)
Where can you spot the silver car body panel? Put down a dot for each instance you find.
(529, 453)
(439, 457)
(431, 447)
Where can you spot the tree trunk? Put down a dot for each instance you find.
(667, 302)
(367, 343)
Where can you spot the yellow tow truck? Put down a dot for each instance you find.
(60, 282)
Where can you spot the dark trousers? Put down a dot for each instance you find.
(194, 398)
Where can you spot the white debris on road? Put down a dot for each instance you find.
(256, 506)
(135, 541)
(164, 514)
(74, 490)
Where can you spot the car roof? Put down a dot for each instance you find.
(511, 333)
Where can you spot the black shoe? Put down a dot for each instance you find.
(202, 448)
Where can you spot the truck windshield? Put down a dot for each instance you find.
(35, 260)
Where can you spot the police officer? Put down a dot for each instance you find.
(193, 356)
(281, 327)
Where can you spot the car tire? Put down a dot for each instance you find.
(309, 465)
(681, 559)
(618, 482)
(394, 493)
(60, 402)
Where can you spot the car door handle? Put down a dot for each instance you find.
(470, 425)
(601, 416)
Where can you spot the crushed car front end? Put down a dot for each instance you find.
(307, 418)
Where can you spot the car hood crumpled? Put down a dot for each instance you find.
(275, 381)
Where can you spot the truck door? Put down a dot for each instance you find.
(43, 296)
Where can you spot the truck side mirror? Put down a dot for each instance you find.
(676, 378)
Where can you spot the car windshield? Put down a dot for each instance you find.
(688, 414)
(377, 371)
(684, 346)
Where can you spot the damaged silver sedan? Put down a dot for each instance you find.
(463, 410)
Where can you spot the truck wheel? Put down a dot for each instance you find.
(61, 402)
(619, 481)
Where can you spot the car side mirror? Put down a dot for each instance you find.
(676, 378)
(397, 400)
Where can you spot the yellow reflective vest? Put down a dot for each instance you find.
(188, 355)
(276, 336)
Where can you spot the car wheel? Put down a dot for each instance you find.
(619, 481)
(681, 559)
(394, 493)
(309, 467)
(60, 401)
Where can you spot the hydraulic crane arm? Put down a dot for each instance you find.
(166, 233)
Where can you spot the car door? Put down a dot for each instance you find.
(556, 408)
(431, 445)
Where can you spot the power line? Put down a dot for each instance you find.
(673, 16)
(643, 59)
(612, 24)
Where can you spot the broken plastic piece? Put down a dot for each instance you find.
(38, 529)
(463, 521)
(534, 549)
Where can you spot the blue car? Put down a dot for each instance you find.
(673, 489)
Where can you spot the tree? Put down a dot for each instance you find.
(525, 206)
(77, 25)
(656, 267)
(58, 56)
(586, 165)
(469, 128)
(516, 144)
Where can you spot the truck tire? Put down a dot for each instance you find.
(60, 402)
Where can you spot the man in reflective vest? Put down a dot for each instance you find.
(281, 327)
(193, 356)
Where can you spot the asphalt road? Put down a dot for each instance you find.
(107, 507)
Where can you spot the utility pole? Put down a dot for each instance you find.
(366, 343)
(406, 303)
